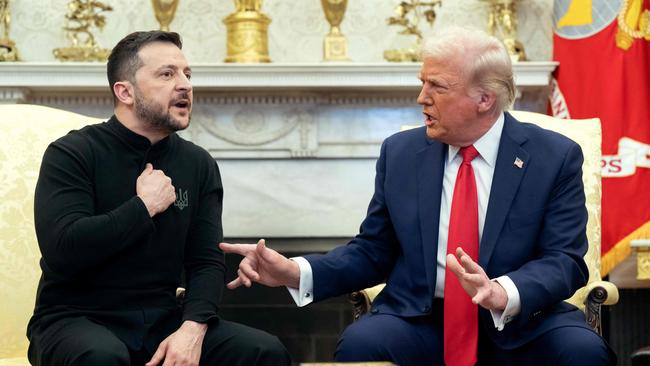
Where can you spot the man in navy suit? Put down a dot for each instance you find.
(530, 217)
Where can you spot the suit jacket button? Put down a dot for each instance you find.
(426, 308)
(374, 311)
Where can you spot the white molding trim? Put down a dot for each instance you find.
(81, 76)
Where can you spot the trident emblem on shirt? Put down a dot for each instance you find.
(181, 199)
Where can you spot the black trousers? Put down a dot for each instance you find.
(92, 339)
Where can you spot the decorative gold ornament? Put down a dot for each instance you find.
(633, 23)
(407, 15)
(335, 46)
(8, 50)
(502, 23)
(81, 16)
(247, 30)
(165, 11)
(642, 247)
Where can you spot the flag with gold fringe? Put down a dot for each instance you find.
(603, 50)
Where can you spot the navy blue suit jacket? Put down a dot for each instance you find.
(534, 231)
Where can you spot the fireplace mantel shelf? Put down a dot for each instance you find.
(43, 77)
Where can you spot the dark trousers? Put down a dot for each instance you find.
(419, 341)
(85, 341)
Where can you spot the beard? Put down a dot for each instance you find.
(154, 114)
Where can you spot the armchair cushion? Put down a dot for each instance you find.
(26, 131)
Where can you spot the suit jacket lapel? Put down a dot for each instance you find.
(430, 171)
(505, 183)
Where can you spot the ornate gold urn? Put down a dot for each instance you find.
(335, 46)
(164, 11)
(247, 30)
(8, 50)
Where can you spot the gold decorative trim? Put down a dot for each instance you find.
(622, 249)
(643, 264)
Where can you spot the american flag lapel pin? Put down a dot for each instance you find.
(519, 163)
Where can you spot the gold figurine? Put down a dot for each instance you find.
(81, 16)
(247, 30)
(8, 51)
(502, 23)
(335, 46)
(407, 15)
(165, 11)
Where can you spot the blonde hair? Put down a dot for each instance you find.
(485, 61)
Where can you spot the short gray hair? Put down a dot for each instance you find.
(486, 62)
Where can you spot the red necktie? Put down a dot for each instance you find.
(461, 316)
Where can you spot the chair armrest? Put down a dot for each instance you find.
(361, 300)
(596, 292)
(602, 292)
(360, 303)
(595, 295)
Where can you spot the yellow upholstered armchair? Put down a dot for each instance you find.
(26, 132)
(587, 133)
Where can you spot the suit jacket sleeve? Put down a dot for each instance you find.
(559, 268)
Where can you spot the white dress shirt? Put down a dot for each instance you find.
(483, 165)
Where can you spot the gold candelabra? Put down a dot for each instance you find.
(407, 15)
(247, 32)
(81, 16)
(335, 46)
(8, 50)
(164, 11)
(502, 22)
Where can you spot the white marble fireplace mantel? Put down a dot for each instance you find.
(82, 76)
(296, 143)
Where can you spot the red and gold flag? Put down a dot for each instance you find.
(603, 49)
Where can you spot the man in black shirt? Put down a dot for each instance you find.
(122, 209)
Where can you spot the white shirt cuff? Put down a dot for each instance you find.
(304, 294)
(513, 306)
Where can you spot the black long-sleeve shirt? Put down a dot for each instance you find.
(101, 250)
